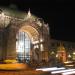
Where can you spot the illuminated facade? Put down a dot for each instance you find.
(26, 37)
(23, 36)
(63, 49)
(61, 53)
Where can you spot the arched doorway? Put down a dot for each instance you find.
(25, 38)
(37, 32)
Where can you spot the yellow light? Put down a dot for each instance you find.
(52, 52)
(41, 40)
(35, 42)
(36, 46)
(39, 23)
(68, 62)
(2, 15)
(41, 47)
(56, 55)
(69, 56)
(74, 53)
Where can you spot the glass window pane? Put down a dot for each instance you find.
(23, 43)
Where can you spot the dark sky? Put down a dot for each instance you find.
(59, 14)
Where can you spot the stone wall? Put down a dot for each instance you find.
(1, 43)
(11, 44)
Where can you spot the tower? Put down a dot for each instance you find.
(61, 52)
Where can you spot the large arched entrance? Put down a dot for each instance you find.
(25, 38)
(28, 39)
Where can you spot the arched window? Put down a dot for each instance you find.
(23, 46)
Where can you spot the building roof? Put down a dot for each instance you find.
(7, 14)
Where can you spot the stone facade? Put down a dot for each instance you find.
(38, 31)
(35, 26)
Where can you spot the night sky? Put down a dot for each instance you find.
(59, 14)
